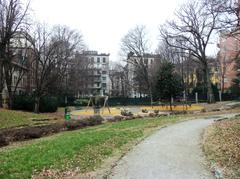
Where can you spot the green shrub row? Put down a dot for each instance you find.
(26, 103)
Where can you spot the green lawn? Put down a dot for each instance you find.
(11, 118)
(85, 148)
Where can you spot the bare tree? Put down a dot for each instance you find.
(52, 53)
(191, 32)
(135, 46)
(230, 15)
(12, 20)
(81, 74)
(119, 80)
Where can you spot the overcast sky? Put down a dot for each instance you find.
(104, 22)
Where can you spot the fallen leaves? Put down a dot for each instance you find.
(222, 145)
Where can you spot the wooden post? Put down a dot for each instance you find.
(196, 98)
(89, 102)
(220, 95)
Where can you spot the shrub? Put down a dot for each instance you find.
(163, 114)
(23, 102)
(178, 112)
(3, 141)
(202, 92)
(78, 124)
(144, 111)
(126, 113)
(114, 119)
(152, 115)
(81, 102)
(48, 104)
(26, 103)
(95, 120)
(139, 116)
(74, 124)
(128, 118)
(118, 118)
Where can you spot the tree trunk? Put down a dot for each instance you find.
(222, 84)
(151, 96)
(37, 104)
(1, 84)
(210, 96)
(170, 103)
(10, 100)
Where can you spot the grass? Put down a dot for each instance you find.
(103, 112)
(83, 149)
(10, 118)
(222, 146)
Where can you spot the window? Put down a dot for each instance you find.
(98, 72)
(146, 61)
(104, 72)
(23, 82)
(92, 60)
(104, 78)
(15, 80)
(104, 85)
(104, 60)
(98, 60)
(226, 80)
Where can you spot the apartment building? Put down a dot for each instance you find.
(92, 76)
(136, 65)
(22, 77)
(118, 83)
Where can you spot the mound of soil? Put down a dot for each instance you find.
(33, 132)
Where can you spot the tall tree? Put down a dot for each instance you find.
(168, 83)
(53, 49)
(118, 80)
(196, 22)
(81, 75)
(12, 22)
(135, 46)
(235, 88)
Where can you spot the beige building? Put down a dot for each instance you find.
(137, 87)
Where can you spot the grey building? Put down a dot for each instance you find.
(95, 80)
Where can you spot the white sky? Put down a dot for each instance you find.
(104, 22)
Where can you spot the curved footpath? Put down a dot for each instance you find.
(173, 152)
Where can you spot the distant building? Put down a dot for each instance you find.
(22, 65)
(93, 77)
(118, 82)
(229, 48)
(137, 87)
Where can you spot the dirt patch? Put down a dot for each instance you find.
(32, 132)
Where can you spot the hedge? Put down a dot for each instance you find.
(26, 103)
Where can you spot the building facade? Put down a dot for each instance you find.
(92, 76)
(22, 72)
(229, 47)
(140, 71)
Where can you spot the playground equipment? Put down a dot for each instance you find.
(98, 102)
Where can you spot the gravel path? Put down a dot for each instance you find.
(173, 152)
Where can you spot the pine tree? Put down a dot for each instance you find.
(168, 83)
(235, 88)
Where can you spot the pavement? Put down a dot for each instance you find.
(173, 152)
